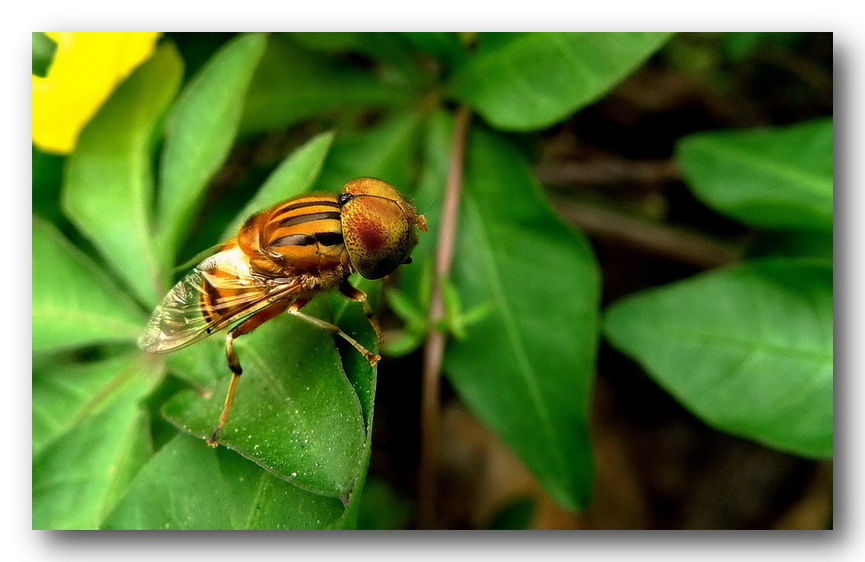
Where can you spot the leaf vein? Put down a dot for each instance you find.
(525, 368)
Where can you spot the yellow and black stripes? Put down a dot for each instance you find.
(304, 233)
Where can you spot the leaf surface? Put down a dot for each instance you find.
(294, 413)
(74, 302)
(391, 50)
(292, 84)
(200, 132)
(540, 282)
(776, 178)
(109, 183)
(748, 349)
(188, 485)
(94, 443)
(294, 176)
(387, 151)
(525, 81)
(443, 45)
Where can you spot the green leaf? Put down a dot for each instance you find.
(241, 495)
(444, 46)
(525, 368)
(794, 243)
(405, 308)
(294, 176)
(414, 330)
(43, 53)
(200, 132)
(776, 178)
(382, 509)
(524, 81)
(291, 84)
(188, 485)
(95, 443)
(748, 349)
(294, 413)
(74, 302)
(739, 45)
(350, 316)
(515, 515)
(200, 364)
(64, 395)
(387, 152)
(457, 319)
(411, 301)
(46, 181)
(391, 49)
(109, 185)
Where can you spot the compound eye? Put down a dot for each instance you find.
(377, 233)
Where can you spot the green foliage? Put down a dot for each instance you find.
(445, 47)
(746, 348)
(749, 348)
(292, 83)
(296, 175)
(82, 307)
(93, 438)
(385, 151)
(523, 81)
(117, 433)
(381, 509)
(108, 187)
(46, 179)
(298, 416)
(502, 365)
(515, 515)
(775, 178)
(98, 410)
(222, 491)
(209, 108)
(42, 54)
(739, 44)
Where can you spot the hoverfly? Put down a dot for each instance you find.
(280, 259)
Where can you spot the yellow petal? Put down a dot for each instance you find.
(85, 70)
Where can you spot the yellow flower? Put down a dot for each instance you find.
(85, 70)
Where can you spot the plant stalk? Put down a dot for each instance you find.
(436, 339)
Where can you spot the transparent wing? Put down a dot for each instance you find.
(218, 292)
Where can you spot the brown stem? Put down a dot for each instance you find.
(435, 344)
(607, 171)
(657, 239)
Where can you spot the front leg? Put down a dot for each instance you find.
(355, 294)
(294, 310)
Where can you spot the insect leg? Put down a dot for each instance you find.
(294, 310)
(244, 327)
(355, 294)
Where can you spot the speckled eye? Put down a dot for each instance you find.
(378, 226)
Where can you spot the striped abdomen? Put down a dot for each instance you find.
(301, 234)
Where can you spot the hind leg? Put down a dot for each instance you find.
(244, 327)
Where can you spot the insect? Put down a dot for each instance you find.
(280, 259)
